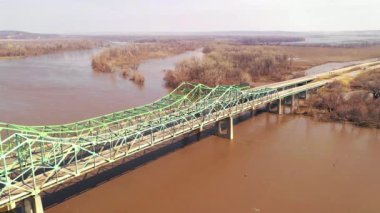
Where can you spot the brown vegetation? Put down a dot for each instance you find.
(356, 102)
(126, 58)
(235, 63)
(137, 77)
(231, 64)
(369, 81)
(22, 48)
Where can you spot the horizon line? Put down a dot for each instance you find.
(189, 32)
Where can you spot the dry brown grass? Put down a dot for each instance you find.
(22, 48)
(137, 78)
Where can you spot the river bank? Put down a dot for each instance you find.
(26, 48)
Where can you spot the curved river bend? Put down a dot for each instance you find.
(61, 88)
(275, 163)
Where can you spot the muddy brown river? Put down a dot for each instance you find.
(61, 88)
(274, 164)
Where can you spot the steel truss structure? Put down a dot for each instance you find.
(35, 158)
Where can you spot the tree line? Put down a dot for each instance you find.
(39, 47)
(231, 64)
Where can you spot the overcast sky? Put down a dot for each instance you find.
(118, 16)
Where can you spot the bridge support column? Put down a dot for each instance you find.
(253, 112)
(230, 130)
(268, 107)
(307, 94)
(27, 206)
(293, 104)
(219, 127)
(199, 134)
(33, 205)
(279, 106)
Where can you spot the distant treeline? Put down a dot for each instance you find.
(39, 47)
(351, 44)
(231, 64)
(9, 34)
(357, 101)
(268, 40)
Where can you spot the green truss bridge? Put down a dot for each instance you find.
(34, 159)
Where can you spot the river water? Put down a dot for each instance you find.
(275, 163)
(61, 88)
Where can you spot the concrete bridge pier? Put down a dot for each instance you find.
(293, 106)
(253, 112)
(268, 109)
(230, 128)
(279, 107)
(199, 134)
(33, 205)
(289, 104)
(219, 127)
(271, 108)
(305, 94)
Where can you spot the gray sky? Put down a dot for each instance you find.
(118, 16)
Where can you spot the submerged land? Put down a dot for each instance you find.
(25, 48)
(229, 58)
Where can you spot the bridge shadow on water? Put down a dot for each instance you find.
(107, 173)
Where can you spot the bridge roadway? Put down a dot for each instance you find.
(36, 158)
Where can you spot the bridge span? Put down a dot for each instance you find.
(34, 159)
